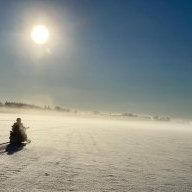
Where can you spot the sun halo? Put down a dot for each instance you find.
(40, 34)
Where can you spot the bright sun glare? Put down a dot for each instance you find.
(40, 34)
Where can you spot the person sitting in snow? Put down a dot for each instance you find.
(18, 133)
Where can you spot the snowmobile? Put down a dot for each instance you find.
(19, 136)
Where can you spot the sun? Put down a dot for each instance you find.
(40, 34)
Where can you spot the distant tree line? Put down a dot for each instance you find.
(157, 118)
(58, 108)
(31, 106)
(67, 110)
(161, 118)
(21, 105)
(129, 115)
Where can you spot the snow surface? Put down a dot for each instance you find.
(88, 154)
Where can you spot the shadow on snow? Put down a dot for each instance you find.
(10, 149)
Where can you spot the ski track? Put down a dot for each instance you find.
(78, 154)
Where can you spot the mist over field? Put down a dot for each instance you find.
(71, 153)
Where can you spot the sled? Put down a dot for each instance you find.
(12, 148)
(18, 137)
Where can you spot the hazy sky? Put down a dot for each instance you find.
(110, 55)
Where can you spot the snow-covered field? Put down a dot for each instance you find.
(79, 154)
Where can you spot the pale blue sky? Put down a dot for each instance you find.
(109, 55)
